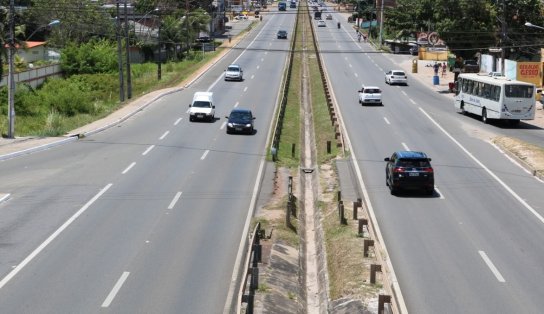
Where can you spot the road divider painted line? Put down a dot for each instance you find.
(3, 197)
(439, 193)
(178, 121)
(175, 200)
(148, 150)
(258, 67)
(494, 269)
(404, 93)
(386, 121)
(356, 75)
(223, 125)
(129, 167)
(164, 135)
(412, 101)
(405, 146)
(245, 89)
(205, 154)
(115, 289)
(236, 104)
(52, 237)
(491, 173)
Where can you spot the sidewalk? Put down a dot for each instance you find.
(10, 148)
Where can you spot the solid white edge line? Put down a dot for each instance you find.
(439, 193)
(205, 154)
(115, 289)
(178, 121)
(52, 237)
(491, 173)
(5, 197)
(395, 286)
(509, 158)
(148, 150)
(491, 266)
(164, 135)
(175, 200)
(129, 167)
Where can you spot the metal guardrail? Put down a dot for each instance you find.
(284, 94)
(254, 257)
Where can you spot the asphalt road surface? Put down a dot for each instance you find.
(475, 245)
(145, 217)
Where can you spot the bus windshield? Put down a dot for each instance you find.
(518, 91)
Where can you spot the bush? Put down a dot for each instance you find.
(96, 56)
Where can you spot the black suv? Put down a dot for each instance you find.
(409, 170)
(240, 120)
(282, 34)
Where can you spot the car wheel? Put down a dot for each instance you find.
(484, 116)
(191, 118)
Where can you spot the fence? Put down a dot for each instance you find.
(34, 77)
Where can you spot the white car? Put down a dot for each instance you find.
(370, 95)
(321, 23)
(396, 77)
(234, 72)
(202, 107)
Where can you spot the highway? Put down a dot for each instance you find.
(474, 246)
(147, 216)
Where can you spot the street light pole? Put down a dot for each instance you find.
(127, 43)
(120, 56)
(11, 70)
(381, 23)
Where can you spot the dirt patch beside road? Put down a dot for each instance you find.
(531, 155)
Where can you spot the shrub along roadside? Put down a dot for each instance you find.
(61, 105)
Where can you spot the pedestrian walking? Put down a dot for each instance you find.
(444, 67)
(436, 67)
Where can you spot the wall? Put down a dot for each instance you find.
(34, 77)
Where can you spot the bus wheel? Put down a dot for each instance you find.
(484, 116)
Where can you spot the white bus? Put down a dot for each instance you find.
(494, 97)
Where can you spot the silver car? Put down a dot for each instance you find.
(396, 77)
(234, 73)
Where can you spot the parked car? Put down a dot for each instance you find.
(471, 66)
(409, 170)
(282, 34)
(234, 72)
(328, 16)
(240, 121)
(396, 77)
(370, 95)
(321, 23)
(202, 107)
(241, 17)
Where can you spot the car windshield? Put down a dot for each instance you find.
(398, 73)
(201, 104)
(413, 163)
(372, 91)
(233, 69)
(240, 115)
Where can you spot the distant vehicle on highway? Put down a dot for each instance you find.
(396, 77)
(409, 170)
(328, 16)
(321, 23)
(495, 98)
(370, 95)
(240, 121)
(282, 34)
(234, 72)
(282, 6)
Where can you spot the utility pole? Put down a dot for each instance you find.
(159, 70)
(127, 43)
(503, 36)
(11, 81)
(120, 57)
(381, 23)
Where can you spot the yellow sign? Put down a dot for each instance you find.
(530, 72)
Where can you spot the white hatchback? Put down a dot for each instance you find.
(396, 77)
(370, 95)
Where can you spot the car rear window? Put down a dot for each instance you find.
(236, 69)
(241, 115)
(412, 162)
(372, 91)
(399, 73)
(202, 104)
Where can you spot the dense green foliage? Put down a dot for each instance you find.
(95, 56)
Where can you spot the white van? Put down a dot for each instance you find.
(202, 107)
